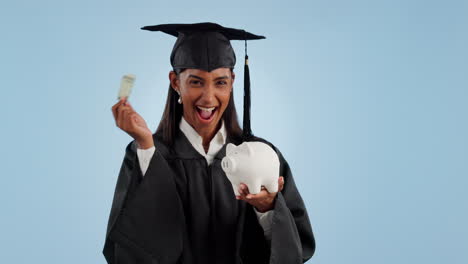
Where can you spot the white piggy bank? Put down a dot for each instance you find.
(252, 163)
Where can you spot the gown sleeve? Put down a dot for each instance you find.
(264, 219)
(292, 239)
(146, 216)
(144, 157)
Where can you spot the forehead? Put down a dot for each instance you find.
(204, 74)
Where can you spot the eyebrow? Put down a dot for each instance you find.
(200, 78)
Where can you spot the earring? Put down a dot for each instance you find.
(180, 100)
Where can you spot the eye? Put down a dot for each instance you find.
(195, 82)
(222, 83)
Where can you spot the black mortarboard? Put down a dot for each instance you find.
(207, 46)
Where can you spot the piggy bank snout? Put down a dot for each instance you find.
(228, 164)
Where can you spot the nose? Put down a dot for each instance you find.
(208, 97)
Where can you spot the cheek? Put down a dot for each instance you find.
(225, 96)
(189, 97)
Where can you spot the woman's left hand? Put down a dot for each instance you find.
(264, 200)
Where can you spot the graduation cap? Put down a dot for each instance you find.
(207, 46)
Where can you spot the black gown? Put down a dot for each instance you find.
(184, 211)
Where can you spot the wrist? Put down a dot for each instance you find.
(264, 209)
(145, 143)
(267, 208)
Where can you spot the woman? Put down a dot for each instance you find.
(174, 204)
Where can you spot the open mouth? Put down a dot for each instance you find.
(206, 114)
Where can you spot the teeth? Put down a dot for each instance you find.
(206, 109)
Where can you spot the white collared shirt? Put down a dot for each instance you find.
(216, 143)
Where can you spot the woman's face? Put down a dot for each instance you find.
(205, 96)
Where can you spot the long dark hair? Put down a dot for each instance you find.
(169, 124)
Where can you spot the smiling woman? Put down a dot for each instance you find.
(173, 202)
(198, 88)
(205, 96)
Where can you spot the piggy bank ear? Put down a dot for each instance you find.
(230, 149)
(246, 149)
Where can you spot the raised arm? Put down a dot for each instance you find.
(146, 220)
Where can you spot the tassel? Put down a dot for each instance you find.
(247, 131)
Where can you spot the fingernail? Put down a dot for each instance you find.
(249, 196)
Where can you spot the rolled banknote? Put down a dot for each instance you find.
(126, 86)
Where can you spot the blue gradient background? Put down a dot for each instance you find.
(367, 100)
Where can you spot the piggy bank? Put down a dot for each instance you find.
(252, 163)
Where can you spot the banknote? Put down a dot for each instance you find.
(126, 85)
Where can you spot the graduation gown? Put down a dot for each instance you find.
(184, 211)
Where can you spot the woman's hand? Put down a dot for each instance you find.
(264, 200)
(131, 122)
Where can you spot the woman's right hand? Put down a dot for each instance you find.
(127, 119)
